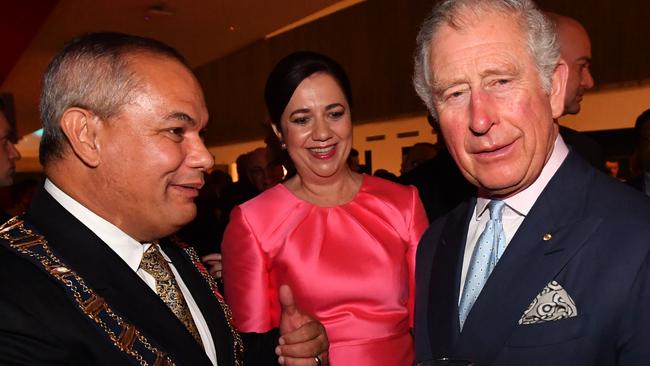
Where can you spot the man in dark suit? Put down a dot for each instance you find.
(439, 182)
(88, 276)
(575, 50)
(550, 263)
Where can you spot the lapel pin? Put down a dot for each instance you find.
(547, 237)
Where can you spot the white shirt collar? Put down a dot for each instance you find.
(129, 249)
(523, 201)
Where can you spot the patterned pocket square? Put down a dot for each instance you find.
(553, 303)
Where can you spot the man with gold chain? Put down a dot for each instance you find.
(89, 275)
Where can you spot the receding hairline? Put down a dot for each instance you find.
(462, 20)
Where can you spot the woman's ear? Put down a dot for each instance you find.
(80, 127)
(278, 134)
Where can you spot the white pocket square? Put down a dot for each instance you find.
(553, 303)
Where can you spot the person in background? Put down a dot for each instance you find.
(8, 153)
(575, 50)
(205, 232)
(549, 264)
(124, 159)
(439, 182)
(344, 242)
(353, 160)
(613, 168)
(418, 154)
(385, 174)
(641, 180)
(261, 170)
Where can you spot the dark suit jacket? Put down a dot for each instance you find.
(599, 252)
(585, 146)
(440, 183)
(40, 325)
(637, 183)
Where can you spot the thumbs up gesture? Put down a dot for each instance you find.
(303, 341)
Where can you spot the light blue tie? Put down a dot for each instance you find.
(488, 250)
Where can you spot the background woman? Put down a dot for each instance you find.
(344, 242)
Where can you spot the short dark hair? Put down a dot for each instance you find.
(91, 72)
(289, 72)
(641, 120)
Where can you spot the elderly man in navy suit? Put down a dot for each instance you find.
(550, 263)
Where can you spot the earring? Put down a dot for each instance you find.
(283, 146)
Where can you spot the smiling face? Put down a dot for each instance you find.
(317, 128)
(152, 157)
(496, 119)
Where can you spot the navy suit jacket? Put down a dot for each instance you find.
(40, 325)
(599, 252)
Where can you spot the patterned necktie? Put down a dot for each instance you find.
(155, 264)
(488, 250)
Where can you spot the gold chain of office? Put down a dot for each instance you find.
(238, 344)
(124, 336)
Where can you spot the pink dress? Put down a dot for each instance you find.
(351, 266)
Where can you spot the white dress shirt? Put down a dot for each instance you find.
(131, 252)
(516, 207)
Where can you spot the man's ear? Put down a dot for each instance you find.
(558, 88)
(80, 127)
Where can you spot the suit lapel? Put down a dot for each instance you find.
(113, 279)
(529, 262)
(445, 280)
(206, 301)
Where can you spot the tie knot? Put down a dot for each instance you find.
(155, 264)
(496, 209)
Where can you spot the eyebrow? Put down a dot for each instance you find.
(332, 106)
(505, 70)
(438, 87)
(181, 116)
(307, 110)
(301, 110)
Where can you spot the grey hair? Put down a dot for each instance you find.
(540, 34)
(91, 72)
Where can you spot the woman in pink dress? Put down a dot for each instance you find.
(344, 242)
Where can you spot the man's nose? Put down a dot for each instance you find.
(199, 156)
(587, 79)
(481, 118)
(14, 154)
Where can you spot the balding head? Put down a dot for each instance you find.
(575, 49)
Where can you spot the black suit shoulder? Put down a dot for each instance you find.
(440, 184)
(588, 148)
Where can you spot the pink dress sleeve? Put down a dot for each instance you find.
(248, 287)
(418, 225)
